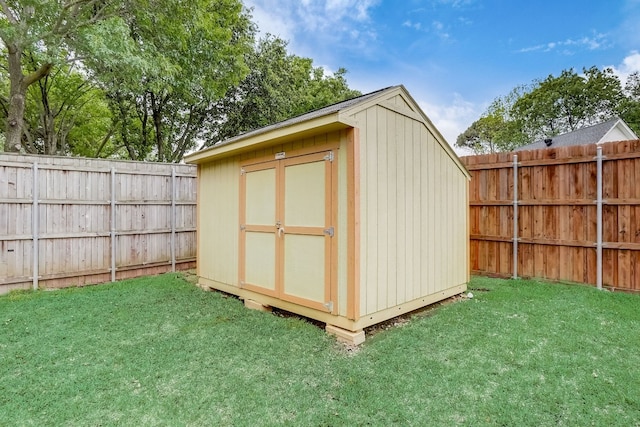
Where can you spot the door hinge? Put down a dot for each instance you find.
(328, 231)
(329, 156)
(329, 306)
(243, 227)
(242, 171)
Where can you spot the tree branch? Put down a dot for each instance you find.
(105, 140)
(7, 11)
(37, 75)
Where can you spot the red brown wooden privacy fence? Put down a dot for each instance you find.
(557, 227)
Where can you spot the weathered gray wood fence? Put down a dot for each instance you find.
(69, 221)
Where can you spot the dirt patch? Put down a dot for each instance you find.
(400, 321)
(287, 314)
(190, 276)
(395, 322)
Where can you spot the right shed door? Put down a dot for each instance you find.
(286, 229)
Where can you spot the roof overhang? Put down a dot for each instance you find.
(258, 140)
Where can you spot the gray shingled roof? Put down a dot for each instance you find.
(587, 135)
(324, 111)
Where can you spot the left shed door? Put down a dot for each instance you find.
(259, 228)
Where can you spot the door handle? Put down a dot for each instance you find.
(280, 231)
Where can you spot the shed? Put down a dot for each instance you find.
(351, 214)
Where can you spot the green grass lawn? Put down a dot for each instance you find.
(160, 351)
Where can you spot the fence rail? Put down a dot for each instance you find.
(568, 218)
(69, 221)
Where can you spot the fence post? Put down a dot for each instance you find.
(35, 226)
(173, 219)
(599, 218)
(515, 216)
(113, 224)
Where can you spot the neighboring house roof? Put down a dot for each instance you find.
(611, 130)
(331, 118)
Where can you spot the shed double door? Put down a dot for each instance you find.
(286, 230)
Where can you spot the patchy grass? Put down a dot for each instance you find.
(159, 351)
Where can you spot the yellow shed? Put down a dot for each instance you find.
(350, 215)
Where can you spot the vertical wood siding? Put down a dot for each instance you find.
(413, 212)
(218, 223)
(557, 214)
(74, 228)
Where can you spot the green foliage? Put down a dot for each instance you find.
(568, 102)
(159, 351)
(145, 79)
(481, 136)
(67, 114)
(497, 129)
(194, 56)
(630, 108)
(278, 87)
(51, 33)
(550, 107)
(490, 134)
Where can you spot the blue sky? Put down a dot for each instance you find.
(455, 56)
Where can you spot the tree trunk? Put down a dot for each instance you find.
(18, 84)
(156, 110)
(17, 95)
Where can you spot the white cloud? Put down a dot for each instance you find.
(595, 42)
(345, 7)
(270, 21)
(630, 64)
(287, 17)
(453, 118)
(415, 25)
(439, 29)
(456, 4)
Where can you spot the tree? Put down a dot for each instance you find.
(497, 129)
(66, 114)
(278, 87)
(198, 55)
(149, 78)
(568, 102)
(482, 136)
(54, 32)
(550, 107)
(630, 108)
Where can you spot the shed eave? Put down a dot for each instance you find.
(328, 123)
